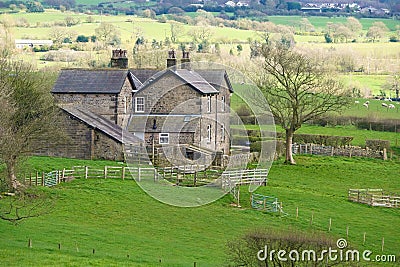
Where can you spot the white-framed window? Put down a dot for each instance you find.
(209, 103)
(209, 133)
(223, 103)
(164, 138)
(139, 104)
(222, 132)
(125, 105)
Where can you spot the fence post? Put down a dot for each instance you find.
(63, 175)
(123, 173)
(42, 178)
(105, 172)
(86, 172)
(37, 178)
(30, 179)
(139, 174)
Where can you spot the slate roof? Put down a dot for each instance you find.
(196, 80)
(100, 123)
(87, 81)
(192, 78)
(216, 77)
(143, 75)
(90, 81)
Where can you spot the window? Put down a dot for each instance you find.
(209, 103)
(125, 105)
(164, 138)
(139, 104)
(223, 103)
(209, 133)
(222, 132)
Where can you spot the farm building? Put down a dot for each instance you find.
(176, 107)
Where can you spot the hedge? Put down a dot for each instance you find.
(377, 144)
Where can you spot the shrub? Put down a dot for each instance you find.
(328, 140)
(377, 144)
(244, 250)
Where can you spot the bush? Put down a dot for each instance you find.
(244, 250)
(328, 140)
(377, 144)
(381, 125)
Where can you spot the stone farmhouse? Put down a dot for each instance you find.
(105, 110)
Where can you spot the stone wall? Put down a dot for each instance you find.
(107, 148)
(346, 151)
(81, 142)
(115, 107)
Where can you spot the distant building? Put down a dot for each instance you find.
(22, 43)
(230, 3)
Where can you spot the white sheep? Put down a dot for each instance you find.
(365, 105)
(356, 102)
(391, 106)
(384, 105)
(367, 102)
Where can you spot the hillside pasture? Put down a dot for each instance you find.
(113, 222)
(320, 22)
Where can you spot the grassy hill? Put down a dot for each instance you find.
(126, 227)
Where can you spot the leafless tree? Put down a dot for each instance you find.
(298, 89)
(393, 83)
(28, 119)
(106, 32)
(25, 204)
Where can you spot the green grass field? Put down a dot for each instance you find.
(126, 227)
(320, 22)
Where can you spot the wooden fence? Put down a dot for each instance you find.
(374, 197)
(78, 172)
(188, 175)
(230, 179)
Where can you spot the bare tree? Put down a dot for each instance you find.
(354, 25)
(176, 31)
(375, 33)
(106, 32)
(25, 204)
(28, 116)
(298, 89)
(393, 83)
(6, 41)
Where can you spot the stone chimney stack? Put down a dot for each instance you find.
(185, 61)
(119, 59)
(171, 60)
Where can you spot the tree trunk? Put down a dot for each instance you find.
(12, 177)
(289, 141)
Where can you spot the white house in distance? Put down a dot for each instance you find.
(22, 43)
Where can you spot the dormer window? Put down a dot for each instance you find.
(139, 104)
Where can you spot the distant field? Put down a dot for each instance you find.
(368, 84)
(320, 22)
